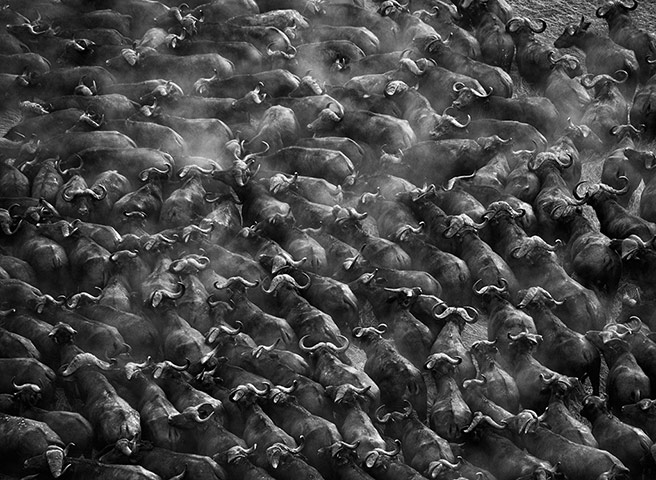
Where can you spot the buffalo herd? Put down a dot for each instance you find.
(326, 239)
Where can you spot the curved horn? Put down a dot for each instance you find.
(514, 338)
(458, 86)
(632, 7)
(289, 390)
(436, 358)
(135, 213)
(412, 66)
(144, 175)
(74, 300)
(123, 253)
(184, 171)
(231, 331)
(385, 418)
(256, 391)
(344, 346)
(490, 288)
(479, 417)
(178, 265)
(160, 294)
(380, 329)
(548, 380)
(474, 381)
(257, 351)
(467, 316)
(200, 262)
(372, 456)
(577, 193)
(458, 124)
(238, 452)
(588, 80)
(567, 163)
(301, 444)
(483, 94)
(306, 349)
(276, 282)
(624, 75)
(540, 29)
(436, 467)
(25, 386)
(307, 284)
(445, 313)
(197, 417)
(96, 195)
(179, 368)
(55, 301)
(514, 24)
(614, 191)
(236, 280)
(69, 193)
(350, 446)
(553, 300)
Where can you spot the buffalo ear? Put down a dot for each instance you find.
(205, 410)
(583, 24)
(181, 421)
(631, 154)
(616, 244)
